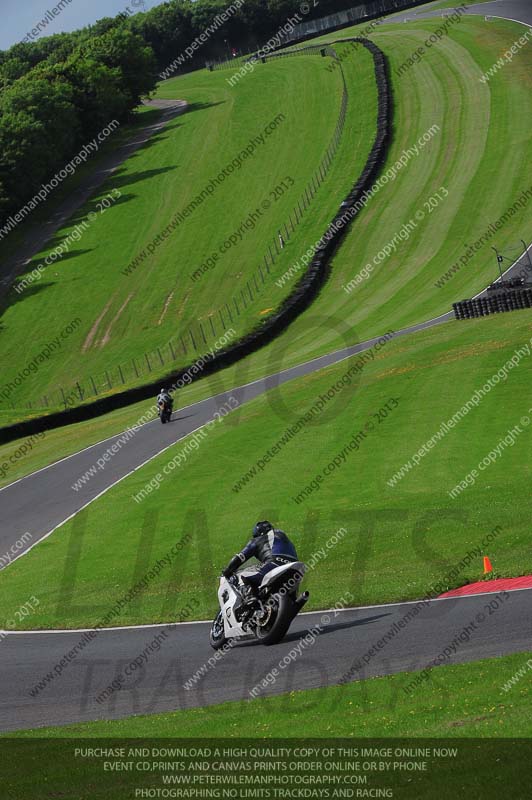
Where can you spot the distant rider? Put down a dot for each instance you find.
(163, 397)
(268, 545)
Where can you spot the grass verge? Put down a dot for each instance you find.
(404, 533)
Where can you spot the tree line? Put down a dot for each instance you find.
(58, 92)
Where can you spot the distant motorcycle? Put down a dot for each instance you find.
(165, 411)
(266, 617)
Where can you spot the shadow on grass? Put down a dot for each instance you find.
(34, 263)
(13, 297)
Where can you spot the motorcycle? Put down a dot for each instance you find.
(165, 411)
(265, 617)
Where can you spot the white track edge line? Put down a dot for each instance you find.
(302, 614)
(96, 497)
(369, 343)
(364, 346)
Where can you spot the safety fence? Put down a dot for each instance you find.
(493, 303)
(351, 16)
(330, 23)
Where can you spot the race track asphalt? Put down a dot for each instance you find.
(40, 502)
(518, 10)
(467, 627)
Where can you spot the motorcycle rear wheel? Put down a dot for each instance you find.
(273, 633)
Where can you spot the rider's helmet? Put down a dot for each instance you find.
(163, 391)
(261, 528)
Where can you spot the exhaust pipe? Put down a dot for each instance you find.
(301, 600)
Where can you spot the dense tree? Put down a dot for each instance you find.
(38, 128)
(57, 92)
(123, 50)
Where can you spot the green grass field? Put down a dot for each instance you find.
(490, 127)
(445, 4)
(475, 121)
(125, 316)
(380, 301)
(416, 530)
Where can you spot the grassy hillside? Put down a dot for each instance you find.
(293, 105)
(482, 127)
(404, 533)
(449, 194)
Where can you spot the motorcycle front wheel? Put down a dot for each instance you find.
(216, 636)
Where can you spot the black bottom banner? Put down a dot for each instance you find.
(481, 769)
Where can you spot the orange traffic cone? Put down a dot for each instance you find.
(487, 565)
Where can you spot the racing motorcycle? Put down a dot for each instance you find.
(265, 617)
(165, 411)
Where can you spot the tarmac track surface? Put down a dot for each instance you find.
(466, 629)
(41, 502)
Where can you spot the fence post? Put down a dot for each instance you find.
(171, 350)
(202, 333)
(160, 356)
(135, 367)
(94, 385)
(121, 374)
(147, 361)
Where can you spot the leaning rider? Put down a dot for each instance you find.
(270, 546)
